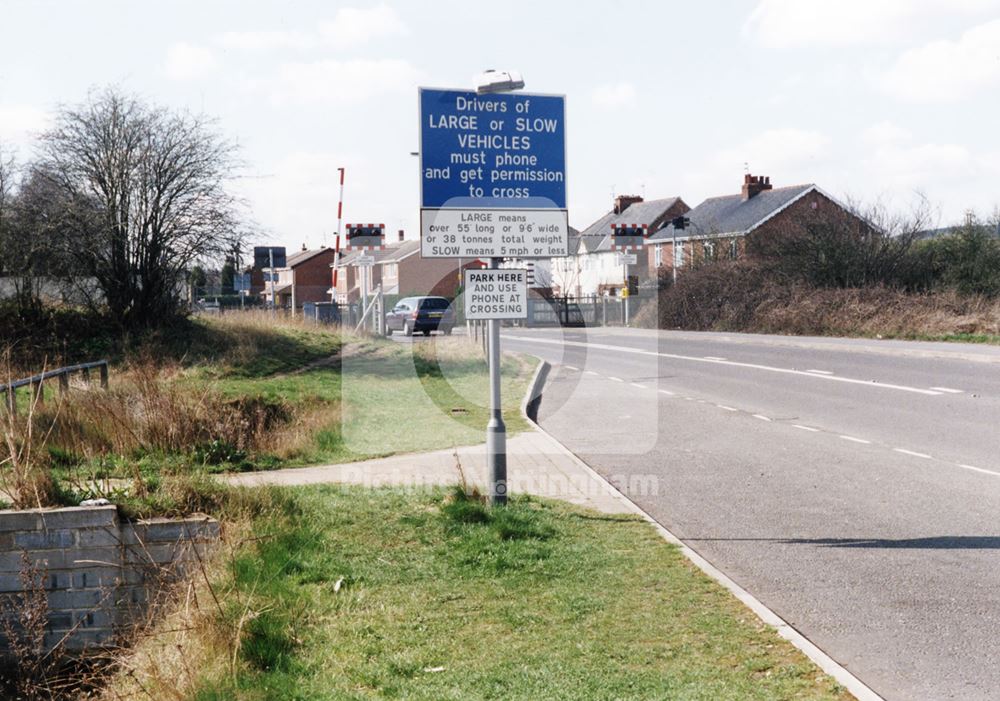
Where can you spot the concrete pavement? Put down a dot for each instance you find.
(536, 465)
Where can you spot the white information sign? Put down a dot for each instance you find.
(465, 233)
(496, 294)
(364, 261)
(628, 258)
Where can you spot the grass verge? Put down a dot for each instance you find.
(352, 594)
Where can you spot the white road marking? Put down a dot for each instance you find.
(689, 399)
(820, 372)
(615, 379)
(667, 392)
(949, 390)
(732, 363)
(915, 454)
(979, 469)
(591, 372)
(852, 439)
(713, 357)
(727, 408)
(806, 428)
(570, 367)
(761, 417)
(636, 384)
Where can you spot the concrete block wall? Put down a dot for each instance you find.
(100, 575)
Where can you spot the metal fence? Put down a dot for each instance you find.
(36, 382)
(583, 311)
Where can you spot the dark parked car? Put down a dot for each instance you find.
(420, 314)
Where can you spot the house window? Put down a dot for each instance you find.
(708, 250)
(734, 249)
(390, 269)
(658, 256)
(679, 254)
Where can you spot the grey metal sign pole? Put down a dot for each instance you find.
(496, 430)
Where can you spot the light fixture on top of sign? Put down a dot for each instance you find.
(491, 81)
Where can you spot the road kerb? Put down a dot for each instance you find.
(855, 686)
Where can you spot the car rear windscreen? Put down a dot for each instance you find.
(434, 303)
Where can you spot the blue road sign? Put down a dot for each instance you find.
(241, 282)
(494, 151)
(492, 175)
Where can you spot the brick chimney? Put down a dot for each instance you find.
(304, 247)
(402, 234)
(623, 202)
(753, 185)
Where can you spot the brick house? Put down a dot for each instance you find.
(401, 270)
(719, 226)
(305, 278)
(592, 266)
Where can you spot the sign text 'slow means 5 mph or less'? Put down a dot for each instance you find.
(496, 294)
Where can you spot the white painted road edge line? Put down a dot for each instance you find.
(752, 366)
(979, 469)
(820, 372)
(806, 428)
(915, 454)
(727, 408)
(829, 665)
(713, 357)
(852, 439)
(949, 390)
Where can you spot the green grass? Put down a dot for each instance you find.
(443, 598)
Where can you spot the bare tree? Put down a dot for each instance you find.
(146, 195)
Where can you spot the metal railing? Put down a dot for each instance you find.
(36, 382)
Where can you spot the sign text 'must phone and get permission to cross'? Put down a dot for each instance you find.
(493, 175)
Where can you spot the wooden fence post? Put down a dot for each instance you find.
(104, 376)
(64, 383)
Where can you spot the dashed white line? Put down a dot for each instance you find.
(615, 379)
(915, 454)
(570, 367)
(636, 384)
(806, 428)
(852, 439)
(591, 372)
(727, 408)
(761, 417)
(979, 469)
(667, 392)
(949, 390)
(820, 372)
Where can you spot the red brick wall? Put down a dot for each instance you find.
(312, 278)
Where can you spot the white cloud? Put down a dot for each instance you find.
(265, 40)
(343, 81)
(19, 122)
(187, 61)
(946, 70)
(614, 95)
(810, 23)
(353, 26)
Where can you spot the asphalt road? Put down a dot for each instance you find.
(853, 486)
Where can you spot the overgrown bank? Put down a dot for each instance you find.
(240, 392)
(740, 297)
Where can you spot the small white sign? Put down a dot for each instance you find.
(497, 233)
(496, 294)
(627, 258)
(364, 261)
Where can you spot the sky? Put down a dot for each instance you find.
(872, 100)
